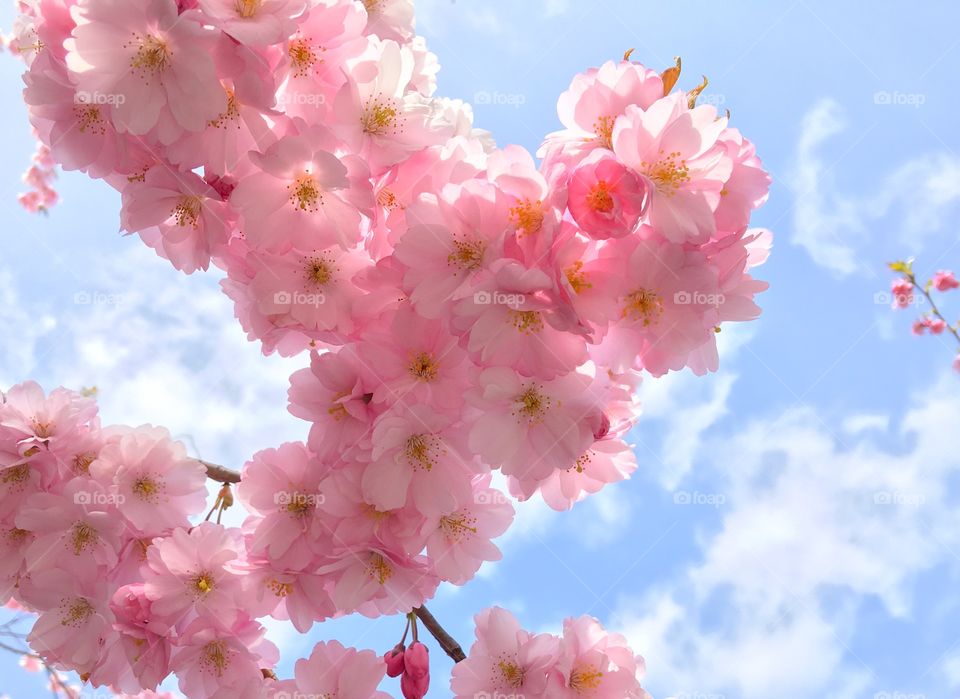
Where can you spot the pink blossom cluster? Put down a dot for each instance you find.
(585, 660)
(96, 540)
(39, 178)
(465, 311)
(907, 291)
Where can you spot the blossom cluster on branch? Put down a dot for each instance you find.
(907, 292)
(476, 326)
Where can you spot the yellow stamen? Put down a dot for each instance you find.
(216, 657)
(379, 569)
(527, 322)
(89, 118)
(248, 8)
(280, 589)
(528, 216)
(82, 537)
(577, 277)
(459, 526)
(379, 117)
(187, 211)
(423, 367)
(586, 677)
(387, 199)
(531, 405)
(423, 451)
(669, 173)
(75, 612)
(152, 56)
(146, 488)
(599, 198)
(302, 57)
(202, 583)
(513, 675)
(81, 463)
(644, 305)
(320, 271)
(467, 254)
(305, 194)
(230, 115)
(603, 128)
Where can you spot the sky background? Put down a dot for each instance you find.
(826, 563)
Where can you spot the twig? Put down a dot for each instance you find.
(221, 474)
(446, 641)
(933, 305)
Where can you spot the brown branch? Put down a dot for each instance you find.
(933, 304)
(221, 474)
(446, 641)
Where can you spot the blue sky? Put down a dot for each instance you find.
(827, 564)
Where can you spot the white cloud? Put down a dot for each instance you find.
(919, 197)
(811, 528)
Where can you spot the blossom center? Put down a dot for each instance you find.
(422, 451)
(146, 488)
(387, 199)
(379, 569)
(187, 211)
(216, 657)
(467, 254)
(599, 199)
(280, 589)
(248, 8)
(379, 117)
(577, 277)
(458, 526)
(82, 537)
(423, 367)
(89, 117)
(669, 173)
(511, 673)
(531, 404)
(230, 114)
(527, 322)
(152, 56)
(603, 128)
(202, 583)
(16, 475)
(75, 612)
(305, 193)
(319, 271)
(81, 463)
(528, 216)
(585, 677)
(302, 56)
(643, 305)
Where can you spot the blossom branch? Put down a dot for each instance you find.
(446, 641)
(923, 289)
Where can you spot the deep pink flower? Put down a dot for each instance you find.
(606, 198)
(944, 281)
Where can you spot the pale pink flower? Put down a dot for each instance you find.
(389, 19)
(747, 187)
(307, 194)
(380, 117)
(254, 22)
(417, 361)
(678, 150)
(416, 451)
(344, 673)
(195, 572)
(151, 65)
(216, 660)
(335, 394)
(281, 488)
(452, 241)
(944, 281)
(902, 290)
(179, 215)
(376, 582)
(157, 487)
(605, 461)
(594, 662)
(505, 660)
(299, 597)
(530, 427)
(605, 198)
(596, 98)
(144, 640)
(460, 540)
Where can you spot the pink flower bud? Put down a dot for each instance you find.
(417, 660)
(395, 661)
(413, 687)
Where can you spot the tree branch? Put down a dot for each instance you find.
(446, 641)
(221, 474)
